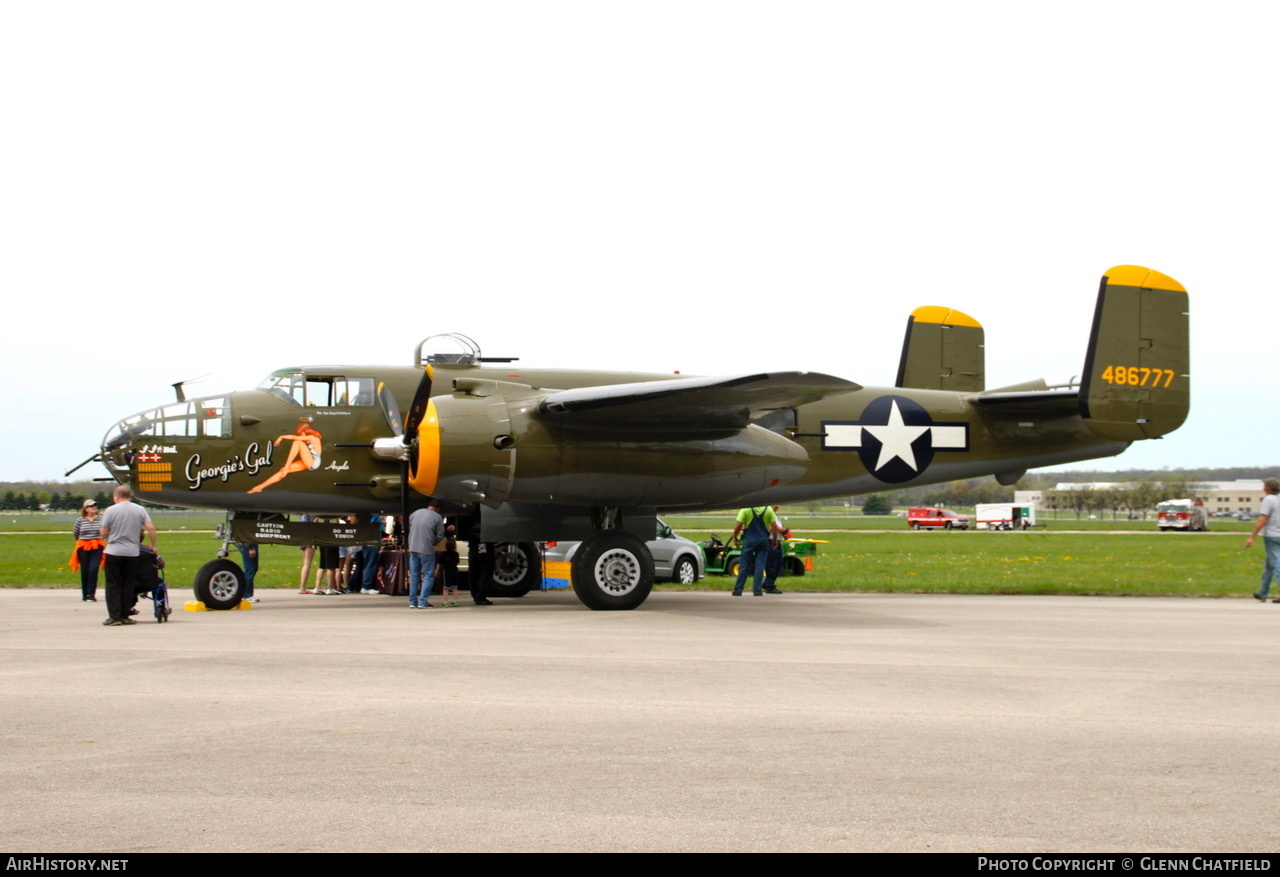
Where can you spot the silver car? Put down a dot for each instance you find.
(675, 558)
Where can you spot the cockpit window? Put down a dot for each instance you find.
(177, 420)
(351, 391)
(320, 391)
(214, 416)
(289, 386)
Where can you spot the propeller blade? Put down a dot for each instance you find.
(390, 409)
(404, 500)
(415, 425)
(418, 410)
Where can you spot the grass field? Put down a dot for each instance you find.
(1165, 564)
(1128, 564)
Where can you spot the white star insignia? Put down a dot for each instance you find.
(895, 439)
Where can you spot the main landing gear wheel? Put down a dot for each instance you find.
(220, 584)
(517, 568)
(793, 566)
(612, 570)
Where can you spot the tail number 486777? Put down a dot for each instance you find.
(1138, 376)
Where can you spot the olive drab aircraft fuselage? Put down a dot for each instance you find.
(522, 455)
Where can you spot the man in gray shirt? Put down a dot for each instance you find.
(122, 527)
(426, 528)
(1269, 525)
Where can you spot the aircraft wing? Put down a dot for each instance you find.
(690, 404)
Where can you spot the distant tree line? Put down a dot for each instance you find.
(950, 494)
(1133, 498)
(36, 500)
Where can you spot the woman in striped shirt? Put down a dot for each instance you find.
(88, 554)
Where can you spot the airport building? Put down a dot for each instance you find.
(1231, 497)
(1219, 497)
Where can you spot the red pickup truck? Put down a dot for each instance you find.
(927, 519)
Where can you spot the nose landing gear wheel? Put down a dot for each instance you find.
(220, 584)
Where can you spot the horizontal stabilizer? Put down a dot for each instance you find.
(943, 350)
(1137, 373)
(1030, 403)
(690, 404)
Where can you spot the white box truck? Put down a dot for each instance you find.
(1005, 515)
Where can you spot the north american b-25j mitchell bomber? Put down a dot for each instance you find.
(525, 455)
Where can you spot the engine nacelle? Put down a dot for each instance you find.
(493, 447)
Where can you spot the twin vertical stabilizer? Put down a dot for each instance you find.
(942, 351)
(1136, 382)
(1137, 372)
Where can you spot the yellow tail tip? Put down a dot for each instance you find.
(1145, 278)
(944, 316)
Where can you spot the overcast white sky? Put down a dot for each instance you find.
(714, 187)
